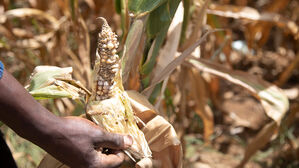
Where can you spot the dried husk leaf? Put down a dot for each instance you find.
(159, 133)
(54, 82)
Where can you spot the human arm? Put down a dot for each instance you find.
(71, 140)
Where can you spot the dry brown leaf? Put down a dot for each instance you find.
(29, 12)
(198, 92)
(131, 46)
(160, 134)
(164, 143)
(182, 101)
(31, 41)
(84, 49)
(273, 100)
(286, 74)
(240, 12)
(176, 62)
(142, 108)
(261, 139)
(199, 14)
(133, 53)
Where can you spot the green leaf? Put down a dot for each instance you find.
(159, 19)
(117, 4)
(157, 28)
(143, 7)
(149, 65)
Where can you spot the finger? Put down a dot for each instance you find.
(113, 141)
(111, 160)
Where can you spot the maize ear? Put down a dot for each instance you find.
(109, 105)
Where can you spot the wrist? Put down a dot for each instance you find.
(42, 128)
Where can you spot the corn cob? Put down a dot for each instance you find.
(109, 105)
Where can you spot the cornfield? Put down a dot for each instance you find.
(196, 83)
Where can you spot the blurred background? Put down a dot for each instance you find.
(224, 73)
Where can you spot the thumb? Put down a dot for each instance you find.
(113, 140)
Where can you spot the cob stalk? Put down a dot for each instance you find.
(109, 105)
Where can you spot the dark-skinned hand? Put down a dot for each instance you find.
(74, 141)
(79, 142)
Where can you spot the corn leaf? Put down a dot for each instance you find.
(143, 7)
(272, 98)
(240, 12)
(176, 62)
(157, 28)
(259, 141)
(130, 48)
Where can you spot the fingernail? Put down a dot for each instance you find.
(128, 140)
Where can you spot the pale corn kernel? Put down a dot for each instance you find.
(109, 61)
(113, 51)
(115, 66)
(115, 56)
(114, 70)
(110, 45)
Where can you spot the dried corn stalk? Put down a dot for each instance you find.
(109, 105)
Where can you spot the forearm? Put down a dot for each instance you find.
(22, 113)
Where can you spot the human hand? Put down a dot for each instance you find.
(76, 140)
(71, 140)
